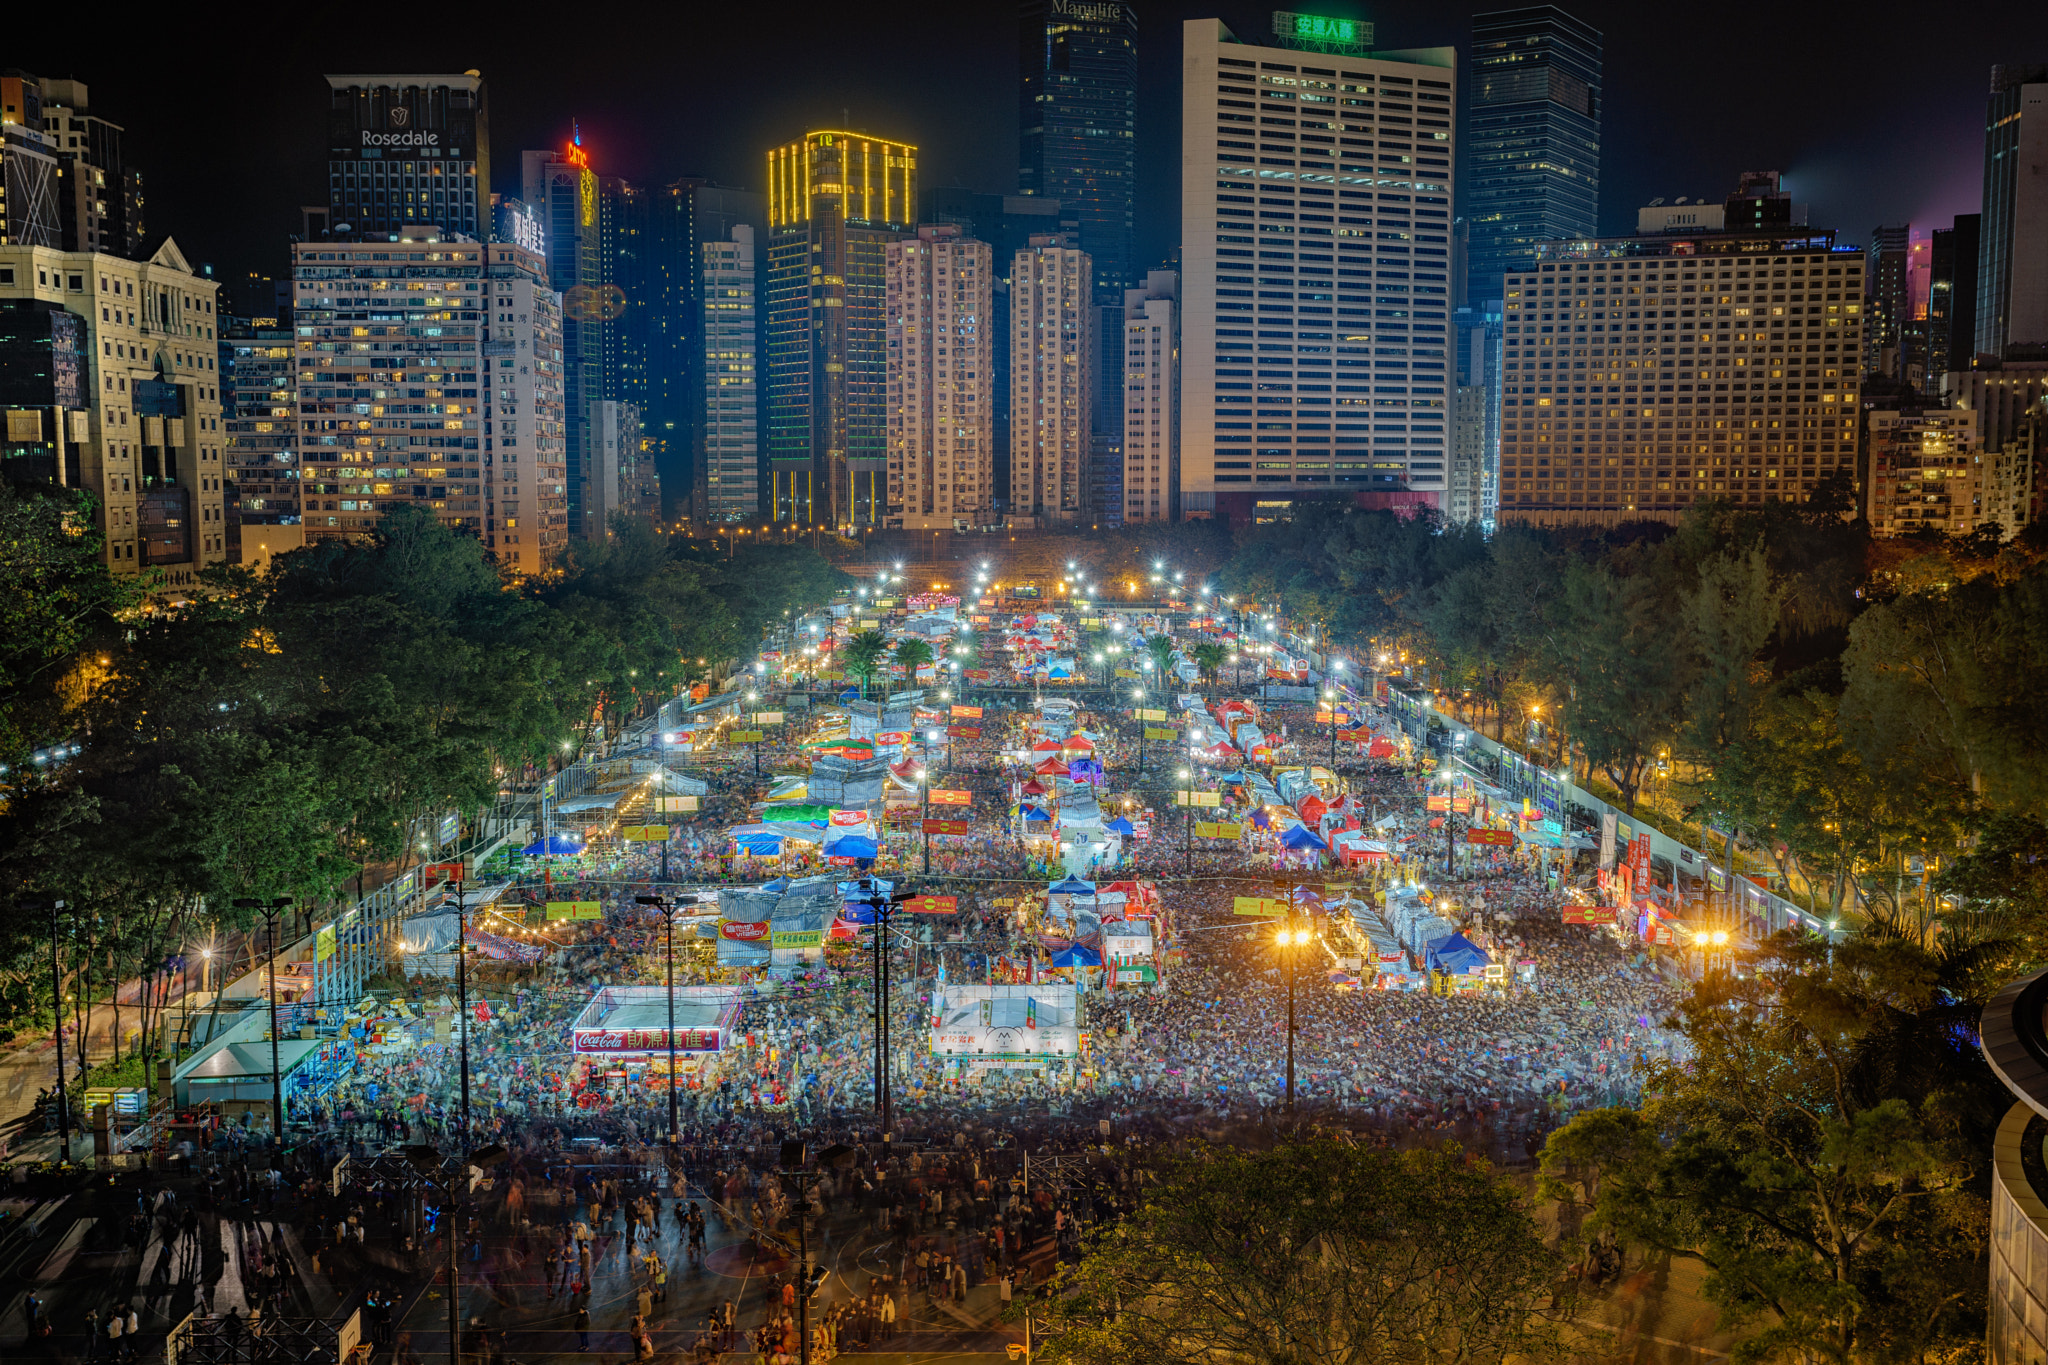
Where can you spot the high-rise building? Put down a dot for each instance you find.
(110, 382)
(1077, 119)
(1719, 365)
(1531, 161)
(566, 195)
(467, 423)
(1007, 222)
(729, 477)
(408, 151)
(618, 466)
(1052, 359)
(689, 402)
(1104, 503)
(1890, 299)
(65, 179)
(2012, 260)
(1306, 246)
(941, 290)
(1952, 297)
(836, 200)
(260, 412)
(1926, 471)
(1475, 413)
(1149, 338)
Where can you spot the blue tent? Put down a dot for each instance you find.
(857, 912)
(1457, 954)
(1301, 836)
(851, 846)
(1261, 820)
(559, 845)
(1122, 826)
(761, 845)
(1074, 886)
(1034, 813)
(1078, 957)
(850, 694)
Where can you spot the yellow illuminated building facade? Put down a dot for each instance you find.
(836, 200)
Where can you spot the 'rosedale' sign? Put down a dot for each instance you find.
(410, 138)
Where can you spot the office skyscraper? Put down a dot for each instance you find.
(1077, 124)
(565, 194)
(1531, 160)
(836, 200)
(406, 152)
(1891, 301)
(1301, 247)
(2012, 255)
(941, 460)
(1952, 297)
(64, 181)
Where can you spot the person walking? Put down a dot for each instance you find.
(582, 1326)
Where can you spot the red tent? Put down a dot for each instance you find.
(1311, 809)
(1052, 767)
(1079, 745)
(1381, 748)
(1046, 746)
(1034, 789)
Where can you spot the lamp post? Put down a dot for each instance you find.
(1187, 843)
(668, 739)
(1290, 940)
(1138, 695)
(668, 917)
(924, 822)
(879, 901)
(270, 910)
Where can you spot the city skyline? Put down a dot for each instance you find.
(1858, 157)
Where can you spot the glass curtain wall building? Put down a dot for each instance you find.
(1532, 139)
(1077, 124)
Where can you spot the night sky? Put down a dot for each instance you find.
(1874, 112)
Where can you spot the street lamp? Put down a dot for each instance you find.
(925, 822)
(1291, 939)
(668, 917)
(270, 910)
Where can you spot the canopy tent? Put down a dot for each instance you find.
(1457, 954)
(1078, 957)
(851, 846)
(1072, 886)
(1302, 837)
(1122, 826)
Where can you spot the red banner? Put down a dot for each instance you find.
(941, 797)
(446, 872)
(964, 731)
(1439, 803)
(978, 674)
(1586, 914)
(1489, 836)
(966, 713)
(931, 905)
(948, 826)
(740, 931)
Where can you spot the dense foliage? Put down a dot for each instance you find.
(282, 731)
(1857, 711)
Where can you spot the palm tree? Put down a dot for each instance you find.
(912, 655)
(1160, 647)
(863, 655)
(1208, 659)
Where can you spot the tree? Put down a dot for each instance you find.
(1815, 1153)
(1159, 651)
(1625, 680)
(1208, 658)
(862, 656)
(1312, 1251)
(912, 655)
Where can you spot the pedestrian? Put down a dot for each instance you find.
(582, 1326)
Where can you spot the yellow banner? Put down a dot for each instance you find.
(1127, 672)
(744, 736)
(1206, 829)
(1152, 732)
(1259, 905)
(1151, 713)
(1187, 798)
(644, 834)
(677, 805)
(575, 910)
(323, 943)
